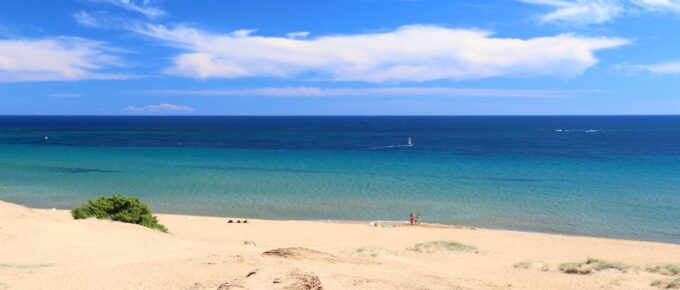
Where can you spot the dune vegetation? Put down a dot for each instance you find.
(592, 265)
(120, 208)
(667, 284)
(668, 269)
(535, 265)
(450, 246)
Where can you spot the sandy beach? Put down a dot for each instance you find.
(47, 249)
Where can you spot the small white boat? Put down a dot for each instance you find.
(409, 143)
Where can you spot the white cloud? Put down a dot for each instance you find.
(160, 108)
(659, 5)
(56, 59)
(148, 8)
(101, 19)
(85, 19)
(671, 67)
(411, 53)
(369, 92)
(580, 11)
(299, 34)
(243, 32)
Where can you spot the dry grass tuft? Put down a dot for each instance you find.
(532, 265)
(667, 284)
(592, 265)
(436, 246)
(668, 269)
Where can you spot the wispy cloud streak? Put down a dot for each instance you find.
(307, 92)
(669, 67)
(160, 108)
(583, 12)
(57, 59)
(580, 11)
(147, 8)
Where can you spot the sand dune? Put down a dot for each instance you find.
(45, 249)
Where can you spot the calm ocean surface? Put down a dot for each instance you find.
(602, 176)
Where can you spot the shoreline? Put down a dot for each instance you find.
(396, 223)
(48, 249)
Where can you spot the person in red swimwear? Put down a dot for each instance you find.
(411, 220)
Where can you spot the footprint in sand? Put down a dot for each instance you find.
(3, 236)
(295, 279)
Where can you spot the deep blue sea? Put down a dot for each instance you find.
(600, 176)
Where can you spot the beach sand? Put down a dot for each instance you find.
(47, 249)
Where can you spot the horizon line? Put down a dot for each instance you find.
(386, 115)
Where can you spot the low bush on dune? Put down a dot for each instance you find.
(667, 284)
(668, 269)
(536, 265)
(522, 265)
(592, 265)
(442, 246)
(575, 268)
(370, 252)
(120, 208)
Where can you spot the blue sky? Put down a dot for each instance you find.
(339, 57)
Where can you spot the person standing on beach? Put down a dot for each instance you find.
(418, 218)
(411, 219)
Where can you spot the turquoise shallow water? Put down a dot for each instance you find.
(602, 176)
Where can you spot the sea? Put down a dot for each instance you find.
(607, 176)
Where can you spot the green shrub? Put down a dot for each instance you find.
(120, 208)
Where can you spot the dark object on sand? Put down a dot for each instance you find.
(238, 221)
(230, 221)
(245, 221)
